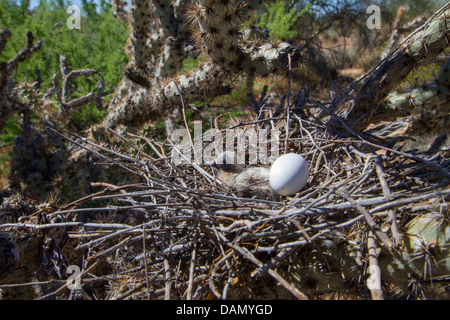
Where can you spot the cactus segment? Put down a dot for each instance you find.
(145, 104)
(164, 33)
(432, 96)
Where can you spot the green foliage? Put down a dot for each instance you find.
(191, 63)
(11, 131)
(86, 116)
(280, 19)
(99, 44)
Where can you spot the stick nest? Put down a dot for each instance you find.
(178, 232)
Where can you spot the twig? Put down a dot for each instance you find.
(288, 107)
(369, 220)
(191, 271)
(375, 284)
(387, 193)
(167, 281)
(186, 125)
(144, 251)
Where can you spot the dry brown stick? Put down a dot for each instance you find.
(167, 282)
(35, 283)
(98, 241)
(113, 187)
(65, 225)
(387, 193)
(186, 124)
(403, 201)
(382, 177)
(117, 154)
(164, 158)
(404, 154)
(139, 150)
(197, 167)
(144, 252)
(150, 143)
(374, 282)
(288, 107)
(191, 270)
(135, 207)
(113, 248)
(214, 271)
(278, 259)
(81, 200)
(95, 152)
(321, 153)
(231, 277)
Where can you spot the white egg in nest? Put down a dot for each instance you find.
(289, 174)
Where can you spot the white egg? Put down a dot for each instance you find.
(289, 174)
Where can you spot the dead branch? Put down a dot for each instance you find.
(9, 101)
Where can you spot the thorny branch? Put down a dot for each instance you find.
(9, 101)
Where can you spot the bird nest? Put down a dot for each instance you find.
(182, 232)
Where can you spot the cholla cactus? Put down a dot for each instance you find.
(164, 33)
(430, 102)
(119, 9)
(401, 27)
(420, 47)
(35, 161)
(435, 95)
(9, 102)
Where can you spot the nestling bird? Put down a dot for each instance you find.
(247, 181)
